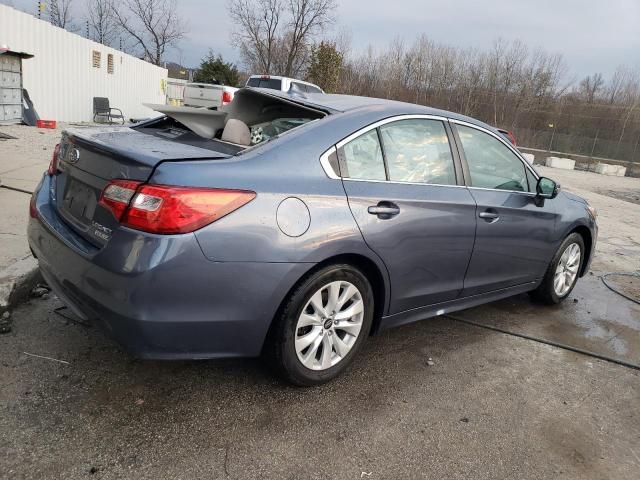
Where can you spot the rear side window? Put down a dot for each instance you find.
(272, 83)
(312, 89)
(491, 163)
(418, 151)
(361, 158)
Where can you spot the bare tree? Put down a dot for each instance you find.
(152, 25)
(60, 14)
(308, 17)
(256, 36)
(590, 86)
(103, 27)
(275, 36)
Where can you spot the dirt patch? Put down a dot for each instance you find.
(628, 285)
(632, 196)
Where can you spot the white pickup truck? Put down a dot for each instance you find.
(207, 95)
(284, 84)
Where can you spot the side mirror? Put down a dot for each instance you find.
(547, 188)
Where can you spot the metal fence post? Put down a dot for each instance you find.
(593, 147)
(553, 132)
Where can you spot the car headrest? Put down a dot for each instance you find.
(236, 131)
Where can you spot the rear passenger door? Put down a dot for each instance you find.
(514, 234)
(404, 187)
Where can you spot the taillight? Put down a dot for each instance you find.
(33, 210)
(168, 209)
(117, 195)
(227, 97)
(53, 165)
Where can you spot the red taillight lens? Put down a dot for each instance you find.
(168, 209)
(227, 97)
(33, 211)
(53, 165)
(117, 195)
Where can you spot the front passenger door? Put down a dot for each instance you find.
(513, 236)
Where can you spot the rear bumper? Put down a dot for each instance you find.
(158, 295)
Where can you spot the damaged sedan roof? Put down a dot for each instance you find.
(332, 103)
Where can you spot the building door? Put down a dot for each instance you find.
(10, 88)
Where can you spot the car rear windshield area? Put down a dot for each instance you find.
(272, 83)
(251, 119)
(264, 117)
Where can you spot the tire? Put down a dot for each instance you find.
(310, 366)
(548, 291)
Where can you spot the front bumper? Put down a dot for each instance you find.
(158, 295)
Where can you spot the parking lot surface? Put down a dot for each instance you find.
(436, 399)
(491, 406)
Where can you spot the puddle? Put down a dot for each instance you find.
(600, 320)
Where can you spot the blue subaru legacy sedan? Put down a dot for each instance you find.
(295, 225)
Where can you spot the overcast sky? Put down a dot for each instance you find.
(593, 36)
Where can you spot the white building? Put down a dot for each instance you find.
(67, 71)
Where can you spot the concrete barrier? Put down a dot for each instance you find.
(563, 163)
(612, 170)
(529, 157)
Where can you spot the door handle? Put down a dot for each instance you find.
(489, 215)
(384, 210)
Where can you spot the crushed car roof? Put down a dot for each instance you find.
(335, 103)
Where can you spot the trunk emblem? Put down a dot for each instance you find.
(74, 155)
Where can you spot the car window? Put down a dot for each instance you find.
(418, 151)
(272, 83)
(491, 163)
(533, 181)
(362, 158)
(300, 86)
(265, 131)
(312, 89)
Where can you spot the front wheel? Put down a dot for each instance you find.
(322, 326)
(563, 271)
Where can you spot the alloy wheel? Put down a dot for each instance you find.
(567, 269)
(329, 325)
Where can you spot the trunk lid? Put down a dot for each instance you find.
(90, 158)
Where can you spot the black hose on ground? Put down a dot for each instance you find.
(547, 342)
(15, 189)
(604, 280)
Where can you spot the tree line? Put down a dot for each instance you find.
(508, 86)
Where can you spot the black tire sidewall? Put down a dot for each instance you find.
(287, 357)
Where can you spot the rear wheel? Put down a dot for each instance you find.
(563, 271)
(322, 326)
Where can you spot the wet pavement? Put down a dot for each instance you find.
(488, 405)
(594, 318)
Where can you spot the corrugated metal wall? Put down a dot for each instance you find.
(61, 78)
